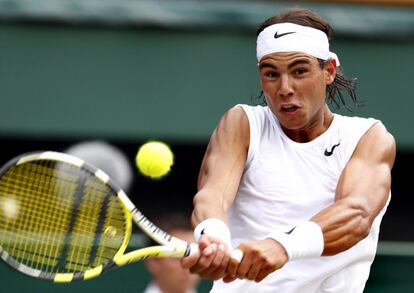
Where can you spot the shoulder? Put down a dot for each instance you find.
(252, 111)
(246, 114)
(235, 117)
(233, 128)
(353, 128)
(365, 137)
(379, 137)
(246, 118)
(372, 131)
(355, 121)
(377, 143)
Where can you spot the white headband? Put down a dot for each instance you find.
(290, 37)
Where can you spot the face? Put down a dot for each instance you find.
(168, 272)
(294, 85)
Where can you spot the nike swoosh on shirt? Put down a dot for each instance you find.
(329, 153)
(290, 230)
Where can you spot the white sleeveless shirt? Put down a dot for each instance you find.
(284, 183)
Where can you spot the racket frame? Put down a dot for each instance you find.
(170, 246)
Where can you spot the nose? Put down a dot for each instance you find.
(285, 87)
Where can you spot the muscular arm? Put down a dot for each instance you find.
(218, 181)
(222, 167)
(361, 193)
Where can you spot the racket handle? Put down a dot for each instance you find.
(236, 254)
(194, 249)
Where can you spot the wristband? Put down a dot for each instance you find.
(214, 227)
(303, 241)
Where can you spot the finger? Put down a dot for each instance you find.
(221, 267)
(264, 273)
(219, 258)
(210, 250)
(243, 270)
(192, 259)
(189, 261)
(254, 271)
(206, 257)
(236, 259)
(204, 242)
(244, 266)
(228, 279)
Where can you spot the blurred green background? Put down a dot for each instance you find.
(128, 71)
(388, 274)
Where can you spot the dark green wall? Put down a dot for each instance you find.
(142, 83)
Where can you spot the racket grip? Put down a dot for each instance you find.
(237, 255)
(194, 249)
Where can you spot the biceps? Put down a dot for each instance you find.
(367, 182)
(217, 186)
(220, 174)
(223, 165)
(367, 176)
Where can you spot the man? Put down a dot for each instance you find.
(299, 190)
(168, 276)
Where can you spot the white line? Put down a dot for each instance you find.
(395, 248)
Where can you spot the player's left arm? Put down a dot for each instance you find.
(362, 192)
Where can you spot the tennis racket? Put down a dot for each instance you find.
(63, 220)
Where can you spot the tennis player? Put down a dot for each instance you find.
(299, 189)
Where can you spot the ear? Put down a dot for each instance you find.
(330, 71)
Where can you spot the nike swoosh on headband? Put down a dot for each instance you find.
(277, 35)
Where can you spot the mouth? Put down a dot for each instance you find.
(289, 108)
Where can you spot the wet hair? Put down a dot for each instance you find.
(341, 84)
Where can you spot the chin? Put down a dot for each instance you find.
(292, 125)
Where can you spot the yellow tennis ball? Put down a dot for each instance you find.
(154, 159)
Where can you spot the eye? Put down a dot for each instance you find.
(300, 71)
(270, 74)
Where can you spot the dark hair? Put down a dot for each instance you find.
(309, 18)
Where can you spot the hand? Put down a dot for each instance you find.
(212, 261)
(260, 258)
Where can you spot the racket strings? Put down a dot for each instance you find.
(44, 195)
(84, 237)
(28, 233)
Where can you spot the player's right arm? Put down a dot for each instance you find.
(218, 181)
